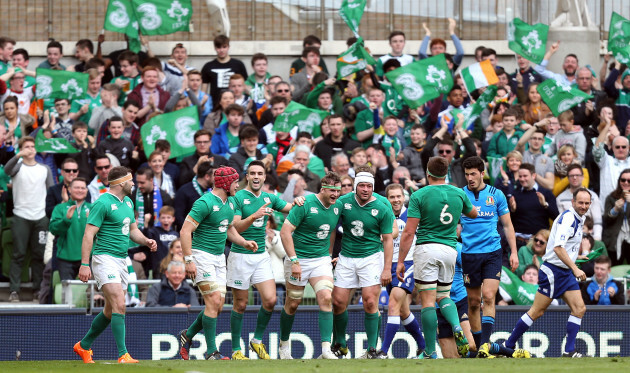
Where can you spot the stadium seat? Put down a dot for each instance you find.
(620, 270)
(79, 296)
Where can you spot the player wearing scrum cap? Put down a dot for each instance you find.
(112, 222)
(252, 208)
(211, 220)
(437, 207)
(365, 260)
(308, 236)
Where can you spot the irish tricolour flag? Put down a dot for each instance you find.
(479, 75)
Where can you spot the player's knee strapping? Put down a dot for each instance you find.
(323, 285)
(209, 287)
(422, 286)
(295, 294)
(443, 291)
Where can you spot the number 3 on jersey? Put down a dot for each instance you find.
(445, 216)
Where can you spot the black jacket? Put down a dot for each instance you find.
(326, 148)
(186, 172)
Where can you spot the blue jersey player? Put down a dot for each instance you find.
(400, 291)
(482, 253)
(558, 275)
(459, 297)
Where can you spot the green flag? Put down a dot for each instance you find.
(619, 38)
(356, 58)
(472, 112)
(529, 41)
(60, 84)
(560, 97)
(120, 17)
(162, 17)
(53, 145)
(494, 168)
(351, 12)
(422, 81)
(306, 119)
(591, 256)
(521, 292)
(177, 127)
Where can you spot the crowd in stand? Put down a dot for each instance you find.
(542, 158)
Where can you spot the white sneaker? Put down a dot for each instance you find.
(364, 355)
(328, 354)
(285, 351)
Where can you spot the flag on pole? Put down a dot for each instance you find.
(619, 38)
(306, 119)
(177, 127)
(529, 41)
(472, 112)
(60, 84)
(121, 18)
(478, 75)
(351, 12)
(162, 17)
(560, 97)
(421, 81)
(53, 145)
(356, 58)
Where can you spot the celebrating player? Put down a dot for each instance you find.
(365, 261)
(400, 291)
(558, 274)
(482, 253)
(113, 223)
(252, 207)
(437, 208)
(211, 220)
(308, 235)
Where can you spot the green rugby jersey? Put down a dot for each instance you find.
(363, 225)
(246, 204)
(113, 217)
(313, 225)
(93, 103)
(439, 208)
(214, 218)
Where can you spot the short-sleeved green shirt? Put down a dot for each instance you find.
(313, 225)
(93, 103)
(363, 225)
(364, 121)
(246, 204)
(439, 208)
(214, 218)
(113, 217)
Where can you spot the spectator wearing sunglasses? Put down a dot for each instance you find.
(59, 193)
(610, 165)
(100, 184)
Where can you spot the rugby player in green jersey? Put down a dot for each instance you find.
(252, 207)
(112, 222)
(211, 221)
(436, 208)
(308, 235)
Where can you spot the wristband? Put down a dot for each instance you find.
(85, 264)
(293, 259)
(188, 259)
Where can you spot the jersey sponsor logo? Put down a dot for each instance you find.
(347, 206)
(125, 227)
(323, 232)
(336, 211)
(374, 212)
(259, 222)
(215, 208)
(223, 226)
(314, 210)
(490, 201)
(486, 213)
(267, 200)
(114, 207)
(246, 201)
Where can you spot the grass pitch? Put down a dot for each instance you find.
(607, 365)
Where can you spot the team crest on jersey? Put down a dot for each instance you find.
(267, 200)
(490, 201)
(231, 206)
(129, 204)
(114, 207)
(374, 212)
(347, 206)
(215, 208)
(246, 201)
(314, 210)
(336, 210)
